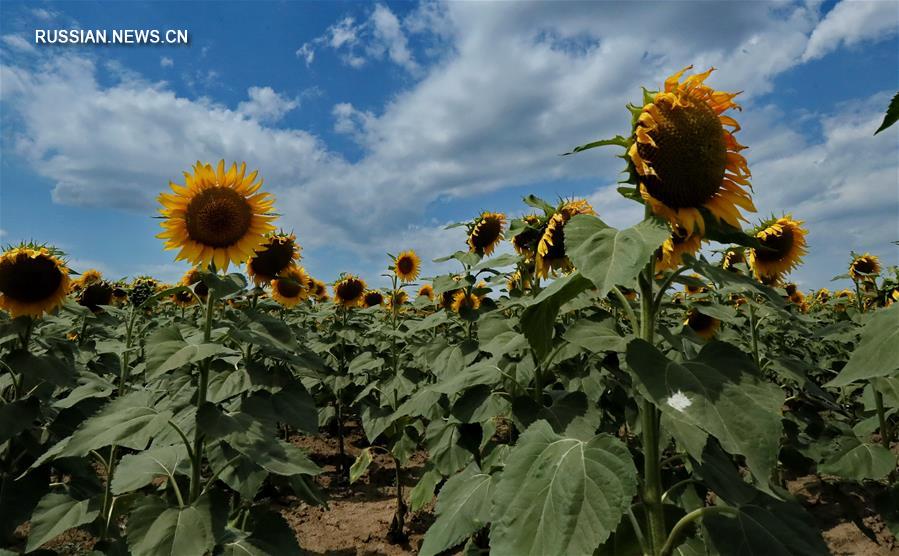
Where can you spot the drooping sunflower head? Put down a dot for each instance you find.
(119, 292)
(33, 280)
(704, 326)
(485, 232)
(407, 265)
(525, 241)
(291, 286)
(88, 277)
(348, 290)
(463, 300)
(864, 267)
(822, 296)
(216, 216)
(96, 294)
(695, 289)
(784, 243)
(194, 277)
(426, 290)
(551, 254)
(685, 154)
(372, 298)
(681, 242)
(733, 256)
(275, 254)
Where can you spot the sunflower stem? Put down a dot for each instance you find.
(202, 385)
(754, 334)
(881, 417)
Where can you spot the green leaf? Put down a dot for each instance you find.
(363, 460)
(271, 535)
(617, 141)
(423, 491)
(720, 392)
(190, 353)
(610, 257)
(463, 508)
(17, 416)
(44, 367)
(442, 442)
(538, 320)
(561, 495)
(135, 471)
(856, 460)
(479, 404)
(223, 286)
(57, 513)
(595, 337)
(877, 353)
(891, 115)
(155, 529)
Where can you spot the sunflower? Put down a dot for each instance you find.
(695, 290)
(87, 278)
(733, 256)
(864, 267)
(685, 156)
(525, 241)
(426, 290)
(277, 252)
(119, 293)
(397, 299)
(291, 287)
(461, 300)
(703, 325)
(485, 232)
(551, 254)
(348, 290)
(217, 216)
(96, 294)
(407, 265)
(142, 288)
(371, 298)
(518, 281)
(784, 240)
(318, 289)
(671, 254)
(194, 277)
(33, 280)
(822, 296)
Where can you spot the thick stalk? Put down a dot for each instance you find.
(399, 519)
(202, 385)
(754, 334)
(881, 417)
(650, 418)
(859, 302)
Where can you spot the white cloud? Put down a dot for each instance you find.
(166, 62)
(516, 85)
(44, 14)
(389, 37)
(266, 105)
(307, 53)
(851, 22)
(17, 42)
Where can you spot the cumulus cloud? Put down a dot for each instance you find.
(851, 22)
(516, 85)
(17, 42)
(265, 105)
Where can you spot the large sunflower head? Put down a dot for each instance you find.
(372, 298)
(407, 265)
(704, 326)
(551, 254)
(525, 241)
(348, 290)
(291, 286)
(87, 278)
(485, 232)
(461, 300)
(681, 242)
(33, 280)
(276, 253)
(685, 154)
(864, 267)
(426, 290)
(784, 242)
(216, 216)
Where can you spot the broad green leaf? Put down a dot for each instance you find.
(135, 471)
(17, 416)
(46, 367)
(892, 114)
(877, 353)
(483, 372)
(463, 507)
(423, 491)
(156, 529)
(442, 442)
(360, 466)
(595, 337)
(57, 513)
(270, 536)
(720, 392)
(89, 386)
(610, 257)
(479, 403)
(856, 460)
(560, 495)
(538, 320)
(191, 353)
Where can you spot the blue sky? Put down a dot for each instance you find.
(375, 125)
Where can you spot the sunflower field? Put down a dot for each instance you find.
(654, 390)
